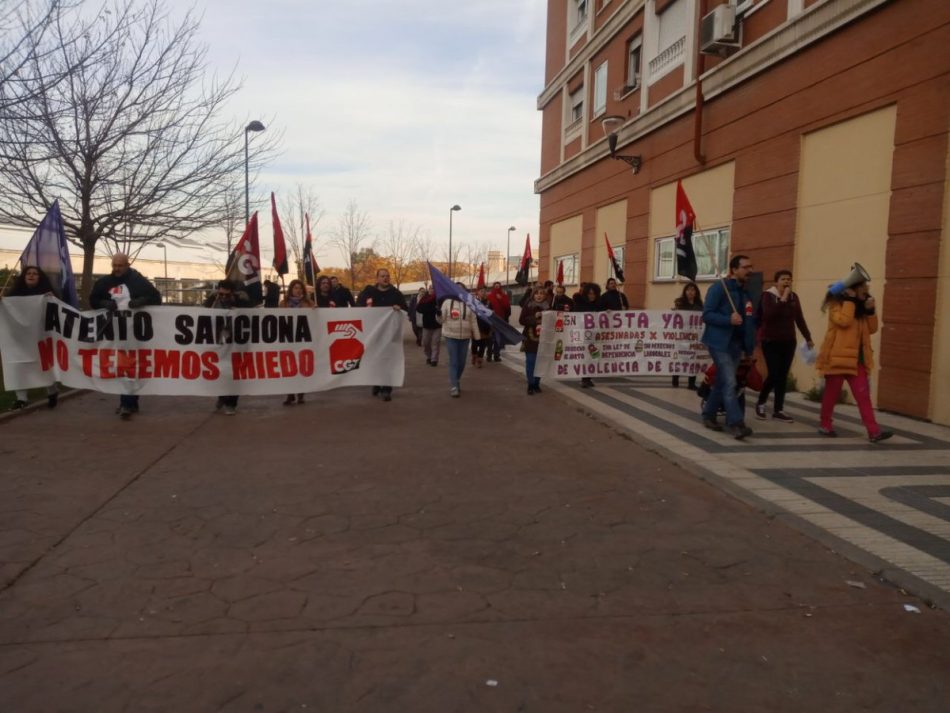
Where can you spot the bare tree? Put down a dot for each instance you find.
(399, 245)
(305, 202)
(131, 141)
(352, 236)
(22, 28)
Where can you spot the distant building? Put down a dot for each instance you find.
(816, 136)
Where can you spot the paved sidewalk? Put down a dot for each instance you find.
(354, 555)
(884, 505)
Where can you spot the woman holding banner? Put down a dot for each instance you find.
(296, 298)
(32, 281)
(530, 319)
(690, 300)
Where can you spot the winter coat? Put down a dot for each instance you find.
(429, 309)
(141, 292)
(720, 334)
(562, 303)
(458, 321)
(531, 320)
(500, 303)
(777, 319)
(372, 296)
(614, 300)
(847, 341)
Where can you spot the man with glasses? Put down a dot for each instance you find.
(124, 289)
(382, 294)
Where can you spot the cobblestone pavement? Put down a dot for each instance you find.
(885, 505)
(489, 553)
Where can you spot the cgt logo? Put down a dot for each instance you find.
(347, 351)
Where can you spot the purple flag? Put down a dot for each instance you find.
(444, 287)
(49, 251)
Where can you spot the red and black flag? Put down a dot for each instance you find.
(244, 265)
(280, 248)
(685, 219)
(310, 266)
(618, 271)
(560, 272)
(524, 269)
(481, 276)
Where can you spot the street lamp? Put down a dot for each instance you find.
(508, 258)
(253, 126)
(164, 248)
(610, 125)
(451, 210)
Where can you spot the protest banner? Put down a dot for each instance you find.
(196, 351)
(575, 345)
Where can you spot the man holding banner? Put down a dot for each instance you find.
(124, 289)
(382, 294)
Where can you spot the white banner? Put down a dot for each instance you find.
(574, 345)
(196, 351)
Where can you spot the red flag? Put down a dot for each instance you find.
(280, 248)
(521, 277)
(685, 219)
(481, 276)
(244, 265)
(560, 272)
(618, 271)
(310, 266)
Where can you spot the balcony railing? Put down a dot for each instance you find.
(667, 59)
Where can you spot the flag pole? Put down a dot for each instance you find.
(722, 280)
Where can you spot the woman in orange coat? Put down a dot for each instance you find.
(846, 355)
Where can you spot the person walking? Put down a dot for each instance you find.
(124, 289)
(480, 345)
(501, 305)
(296, 298)
(613, 299)
(323, 293)
(459, 325)
(415, 320)
(779, 312)
(341, 295)
(588, 301)
(846, 355)
(428, 307)
(382, 294)
(561, 303)
(530, 319)
(227, 295)
(729, 335)
(32, 281)
(690, 300)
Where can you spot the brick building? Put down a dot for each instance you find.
(809, 134)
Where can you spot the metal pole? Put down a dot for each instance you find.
(165, 250)
(247, 190)
(508, 259)
(450, 243)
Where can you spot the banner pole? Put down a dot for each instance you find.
(10, 276)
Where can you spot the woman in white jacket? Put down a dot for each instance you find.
(459, 325)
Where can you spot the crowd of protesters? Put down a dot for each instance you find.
(733, 328)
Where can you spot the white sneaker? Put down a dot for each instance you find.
(760, 412)
(454, 392)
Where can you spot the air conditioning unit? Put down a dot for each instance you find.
(718, 31)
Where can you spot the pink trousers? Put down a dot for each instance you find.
(860, 389)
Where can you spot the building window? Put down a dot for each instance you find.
(580, 13)
(600, 89)
(671, 40)
(570, 268)
(712, 252)
(634, 48)
(618, 253)
(578, 18)
(575, 111)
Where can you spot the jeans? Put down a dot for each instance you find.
(495, 346)
(431, 344)
(724, 389)
(529, 360)
(860, 389)
(458, 351)
(778, 360)
(129, 401)
(479, 346)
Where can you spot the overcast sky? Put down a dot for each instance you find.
(406, 107)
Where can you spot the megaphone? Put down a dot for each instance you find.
(857, 275)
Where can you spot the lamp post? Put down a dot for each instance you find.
(508, 257)
(253, 126)
(164, 248)
(451, 210)
(611, 124)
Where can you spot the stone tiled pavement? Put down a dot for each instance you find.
(351, 555)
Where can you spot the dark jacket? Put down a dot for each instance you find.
(343, 297)
(682, 304)
(271, 294)
(429, 309)
(241, 300)
(720, 334)
(777, 319)
(562, 303)
(381, 298)
(614, 300)
(585, 305)
(141, 292)
(531, 320)
(326, 301)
